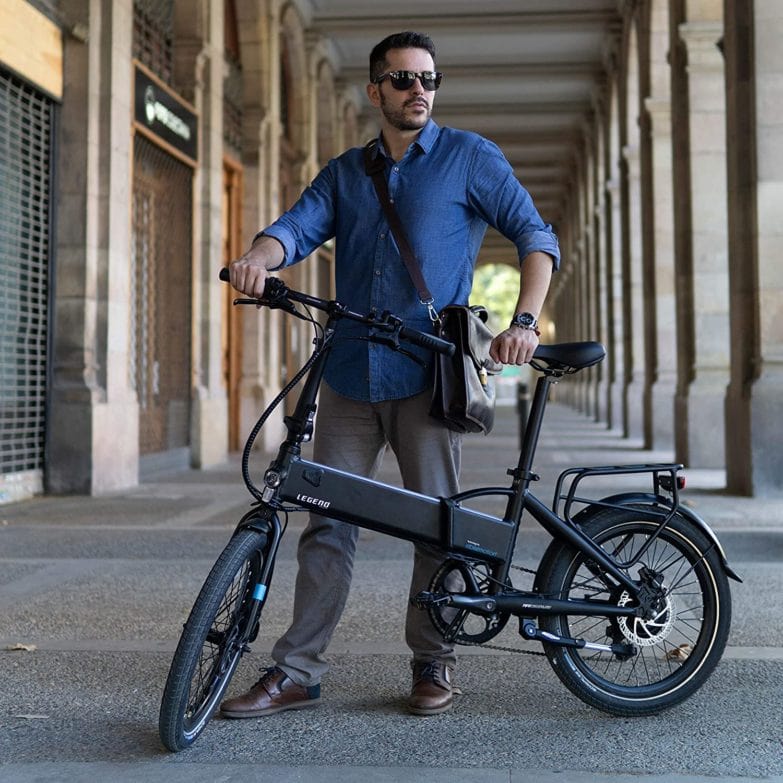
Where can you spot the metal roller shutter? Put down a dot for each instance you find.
(26, 119)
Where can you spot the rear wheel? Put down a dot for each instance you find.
(212, 642)
(676, 650)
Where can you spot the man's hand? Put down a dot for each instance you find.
(249, 273)
(514, 346)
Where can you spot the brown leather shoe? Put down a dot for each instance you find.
(274, 692)
(432, 691)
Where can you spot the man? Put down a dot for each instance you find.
(446, 185)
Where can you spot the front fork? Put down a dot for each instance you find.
(262, 519)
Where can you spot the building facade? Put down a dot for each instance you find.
(143, 142)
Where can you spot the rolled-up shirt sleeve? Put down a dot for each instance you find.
(497, 195)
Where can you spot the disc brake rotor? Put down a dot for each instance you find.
(647, 632)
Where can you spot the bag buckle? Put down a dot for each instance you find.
(431, 311)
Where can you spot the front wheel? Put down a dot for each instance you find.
(212, 641)
(675, 651)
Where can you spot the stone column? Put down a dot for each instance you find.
(600, 332)
(591, 321)
(259, 32)
(665, 337)
(633, 299)
(615, 323)
(209, 411)
(704, 445)
(754, 405)
(93, 430)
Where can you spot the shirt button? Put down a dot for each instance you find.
(397, 168)
(383, 236)
(378, 272)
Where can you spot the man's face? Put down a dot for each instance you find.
(410, 109)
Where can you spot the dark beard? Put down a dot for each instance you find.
(398, 120)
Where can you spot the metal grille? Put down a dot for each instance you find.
(161, 297)
(232, 104)
(153, 33)
(25, 132)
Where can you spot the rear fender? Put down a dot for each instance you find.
(648, 498)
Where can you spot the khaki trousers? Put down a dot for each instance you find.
(353, 436)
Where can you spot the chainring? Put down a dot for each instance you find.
(461, 626)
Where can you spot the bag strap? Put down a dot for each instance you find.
(375, 168)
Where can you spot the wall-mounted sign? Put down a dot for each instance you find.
(158, 111)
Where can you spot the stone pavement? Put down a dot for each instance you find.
(93, 592)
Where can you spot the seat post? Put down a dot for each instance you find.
(522, 473)
(534, 421)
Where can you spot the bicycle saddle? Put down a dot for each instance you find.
(568, 357)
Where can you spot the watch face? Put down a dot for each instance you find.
(524, 319)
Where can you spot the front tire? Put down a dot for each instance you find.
(212, 642)
(676, 651)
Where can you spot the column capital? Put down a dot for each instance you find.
(630, 153)
(701, 43)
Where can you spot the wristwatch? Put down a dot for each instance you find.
(525, 321)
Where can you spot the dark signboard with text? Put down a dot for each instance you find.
(163, 114)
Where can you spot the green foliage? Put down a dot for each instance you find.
(496, 286)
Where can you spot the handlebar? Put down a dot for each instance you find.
(278, 295)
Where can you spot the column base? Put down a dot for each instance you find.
(700, 426)
(209, 430)
(93, 447)
(766, 421)
(634, 405)
(662, 397)
(252, 403)
(617, 416)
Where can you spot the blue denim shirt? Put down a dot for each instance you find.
(447, 188)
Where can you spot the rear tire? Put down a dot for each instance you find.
(676, 651)
(212, 642)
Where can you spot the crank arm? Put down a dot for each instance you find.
(478, 604)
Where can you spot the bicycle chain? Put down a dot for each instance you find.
(501, 647)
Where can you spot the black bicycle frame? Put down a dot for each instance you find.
(441, 522)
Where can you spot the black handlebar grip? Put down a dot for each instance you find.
(273, 288)
(428, 341)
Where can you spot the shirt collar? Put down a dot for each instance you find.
(425, 139)
(428, 134)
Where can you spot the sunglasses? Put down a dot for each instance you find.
(404, 80)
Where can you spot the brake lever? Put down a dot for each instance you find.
(393, 342)
(392, 339)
